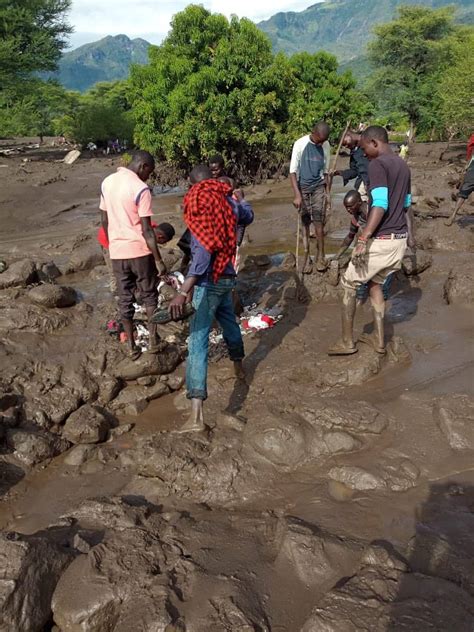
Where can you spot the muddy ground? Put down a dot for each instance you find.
(328, 495)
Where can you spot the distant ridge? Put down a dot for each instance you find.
(108, 59)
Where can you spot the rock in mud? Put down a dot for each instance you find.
(109, 388)
(10, 411)
(149, 364)
(79, 455)
(396, 475)
(50, 295)
(454, 415)
(29, 571)
(85, 257)
(19, 274)
(36, 446)
(86, 425)
(56, 403)
(48, 272)
(32, 318)
(459, 286)
(383, 595)
(138, 396)
(416, 263)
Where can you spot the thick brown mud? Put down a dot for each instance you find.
(330, 494)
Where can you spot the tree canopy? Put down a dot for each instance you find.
(215, 85)
(413, 54)
(32, 35)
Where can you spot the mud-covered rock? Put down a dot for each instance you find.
(10, 411)
(56, 403)
(50, 295)
(19, 274)
(454, 415)
(109, 388)
(135, 398)
(394, 474)
(85, 257)
(32, 318)
(459, 286)
(416, 263)
(29, 571)
(86, 425)
(383, 595)
(79, 454)
(33, 447)
(48, 272)
(149, 364)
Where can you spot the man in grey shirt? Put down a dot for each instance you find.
(309, 175)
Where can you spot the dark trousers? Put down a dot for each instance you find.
(134, 275)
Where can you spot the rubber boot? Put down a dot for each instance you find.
(376, 339)
(195, 422)
(346, 346)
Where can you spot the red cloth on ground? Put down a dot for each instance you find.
(102, 237)
(210, 218)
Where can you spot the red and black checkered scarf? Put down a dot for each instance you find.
(210, 218)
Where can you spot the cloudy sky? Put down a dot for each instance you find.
(93, 19)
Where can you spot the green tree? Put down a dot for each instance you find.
(456, 91)
(409, 55)
(32, 35)
(215, 85)
(100, 114)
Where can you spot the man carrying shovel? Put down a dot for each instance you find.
(309, 168)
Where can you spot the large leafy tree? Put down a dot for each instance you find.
(215, 85)
(410, 54)
(32, 35)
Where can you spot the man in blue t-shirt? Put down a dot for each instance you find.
(309, 170)
(383, 241)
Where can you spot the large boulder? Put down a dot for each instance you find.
(29, 571)
(19, 274)
(149, 364)
(48, 272)
(454, 415)
(86, 425)
(33, 447)
(50, 295)
(416, 263)
(32, 318)
(85, 257)
(459, 286)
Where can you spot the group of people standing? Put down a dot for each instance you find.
(216, 214)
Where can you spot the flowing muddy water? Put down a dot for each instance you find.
(330, 494)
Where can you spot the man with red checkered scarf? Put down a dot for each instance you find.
(212, 218)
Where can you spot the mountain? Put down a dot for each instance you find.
(343, 27)
(106, 60)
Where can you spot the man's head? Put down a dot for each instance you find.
(374, 141)
(350, 140)
(164, 233)
(200, 173)
(320, 132)
(217, 165)
(143, 164)
(353, 201)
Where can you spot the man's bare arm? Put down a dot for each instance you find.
(296, 190)
(150, 238)
(105, 223)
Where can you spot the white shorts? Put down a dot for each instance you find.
(384, 256)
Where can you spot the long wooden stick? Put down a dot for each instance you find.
(298, 231)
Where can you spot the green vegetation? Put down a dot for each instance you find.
(215, 85)
(416, 58)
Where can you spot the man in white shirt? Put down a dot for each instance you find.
(309, 170)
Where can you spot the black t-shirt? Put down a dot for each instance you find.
(390, 188)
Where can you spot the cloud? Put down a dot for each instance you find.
(150, 19)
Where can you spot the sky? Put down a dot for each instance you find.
(150, 19)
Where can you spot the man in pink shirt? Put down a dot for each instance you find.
(125, 203)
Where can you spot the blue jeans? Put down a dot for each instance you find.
(213, 301)
(363, 290)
